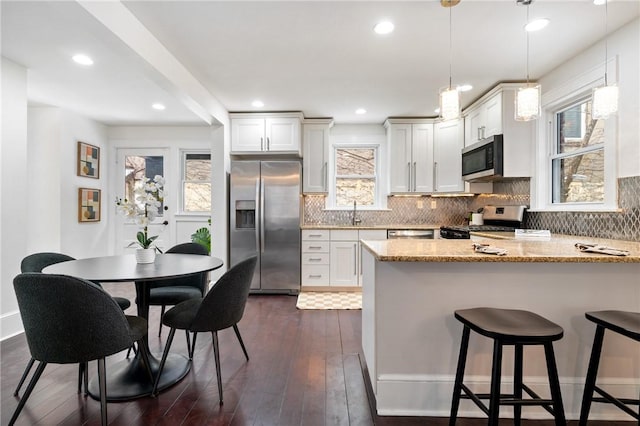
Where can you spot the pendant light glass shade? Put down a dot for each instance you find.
(527, 103)
(449, 103)
(605, 102)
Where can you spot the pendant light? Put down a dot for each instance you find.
(605, 98)
(449, 96)
(528, 97)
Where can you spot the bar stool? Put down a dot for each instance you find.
(508, 327)
(627, 324)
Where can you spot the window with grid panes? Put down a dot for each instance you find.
(196, 182)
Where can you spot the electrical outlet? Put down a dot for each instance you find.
(434, 204)
(420, 204)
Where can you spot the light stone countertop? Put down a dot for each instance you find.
(387, 226)
(559, 248)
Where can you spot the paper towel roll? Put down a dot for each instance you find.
(476, 219)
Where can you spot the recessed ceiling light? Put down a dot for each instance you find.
(158, 106)
(82, 60)
(536, 24)
(384, 27)
(361, 111)
(257, 103)
(464, 87)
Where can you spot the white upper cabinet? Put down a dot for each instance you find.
(484, 120)
(493, 114)
(448, 141)
(410, 147)
(265, 133)
(315, 153)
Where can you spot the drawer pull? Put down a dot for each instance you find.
(315, 235)
(315, 247)
(315, 276)
(314, 259)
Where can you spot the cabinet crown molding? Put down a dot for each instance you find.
(500, 87)
(268, 114)
(409, 120)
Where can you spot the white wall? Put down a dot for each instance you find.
(15, 229)
(625, 44)
(53, 135)
(89, 238)
(43, 138)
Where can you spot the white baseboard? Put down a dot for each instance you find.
(10, 325)
(430, 395)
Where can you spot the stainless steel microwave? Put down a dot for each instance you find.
(482, 161)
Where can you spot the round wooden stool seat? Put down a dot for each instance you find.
(510, 325)
(622, 322)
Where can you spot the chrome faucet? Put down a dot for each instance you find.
(354, 219)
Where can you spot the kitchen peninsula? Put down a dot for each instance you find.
(411, 339)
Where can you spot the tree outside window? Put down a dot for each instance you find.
(355, 176)
(578, 157)
(196, 182)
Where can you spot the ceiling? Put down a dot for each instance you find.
(318, 57)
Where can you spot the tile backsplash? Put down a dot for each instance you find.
(623, 225)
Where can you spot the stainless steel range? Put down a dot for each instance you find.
(496, 219)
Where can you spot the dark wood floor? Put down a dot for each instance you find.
(305, 369)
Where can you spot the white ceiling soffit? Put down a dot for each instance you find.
(321, 57)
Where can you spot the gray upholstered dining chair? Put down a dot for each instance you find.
(173, 291)
(69, 320)
(221, 308)
(36, 262)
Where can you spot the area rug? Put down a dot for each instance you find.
(329, 300)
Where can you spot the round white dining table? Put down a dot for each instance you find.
(127, 379)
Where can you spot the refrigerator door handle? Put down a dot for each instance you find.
(261, 215)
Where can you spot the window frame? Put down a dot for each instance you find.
(555, 155)
(379, 201)
(554, 101)
(183, 181)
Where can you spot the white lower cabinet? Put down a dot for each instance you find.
(331, 258)
(315, 258)
(345, 269)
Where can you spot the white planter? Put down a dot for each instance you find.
(145, 255)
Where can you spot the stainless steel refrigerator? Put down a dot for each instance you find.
(264, 219)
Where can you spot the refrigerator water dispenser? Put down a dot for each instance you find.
(245, 214)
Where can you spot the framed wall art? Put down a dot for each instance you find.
(88, 160)
(88, 205)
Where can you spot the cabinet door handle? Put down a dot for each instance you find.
(479, 132)
(325, 183)
(268, 144)
(435, 176)
(414, 177)
(409, 176)
(261, 144)
(355, 259)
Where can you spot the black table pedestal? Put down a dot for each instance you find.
(128, 379)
